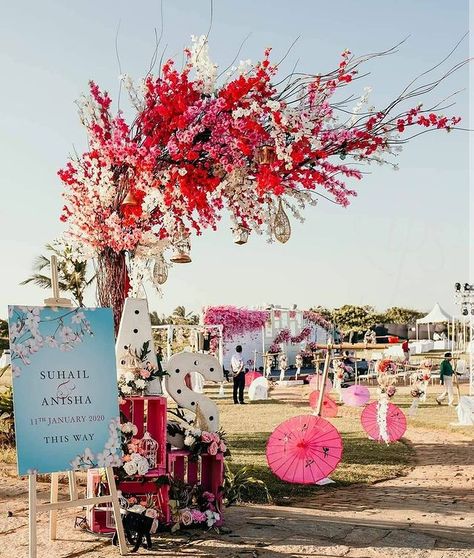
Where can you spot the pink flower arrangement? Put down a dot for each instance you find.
(213, 448)
(209, 496)
(198, 516)
(186, 517)
(207, 437)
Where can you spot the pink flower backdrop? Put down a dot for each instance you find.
(235, 321)
(198, 144)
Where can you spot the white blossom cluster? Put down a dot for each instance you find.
(110, 456)
(138, 465)
(206, 70)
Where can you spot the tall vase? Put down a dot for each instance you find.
(112, 282)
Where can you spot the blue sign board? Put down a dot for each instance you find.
(64, 388)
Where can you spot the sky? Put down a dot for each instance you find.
(403, 241)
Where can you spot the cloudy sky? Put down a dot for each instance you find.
(403, 241)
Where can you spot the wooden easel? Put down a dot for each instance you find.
(33, 507)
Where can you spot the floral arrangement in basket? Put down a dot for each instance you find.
(137, 372)
(192, 506)
(196, 438)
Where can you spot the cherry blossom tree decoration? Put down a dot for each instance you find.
(196, 148)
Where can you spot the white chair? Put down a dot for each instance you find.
(461, 367)
(258, 389)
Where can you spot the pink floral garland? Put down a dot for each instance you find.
(317, 319)
(284, 336)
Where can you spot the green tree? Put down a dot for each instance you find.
(155, 318)
(4, 342)
(72, 273)
(351, 319)
(398, 315)
(326, 313)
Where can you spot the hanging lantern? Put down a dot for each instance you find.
(149, 449)
(281, 225)
(160, 271)
(182, 247)
(129, 201)
(265, 155)
(127, 362)
(240, 234)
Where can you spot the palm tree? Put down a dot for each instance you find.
(180, 316)
(155, 318)
(72, 273)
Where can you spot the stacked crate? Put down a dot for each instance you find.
(149, 414)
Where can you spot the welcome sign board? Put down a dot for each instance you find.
(64, 388)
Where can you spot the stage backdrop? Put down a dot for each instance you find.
(64, 388)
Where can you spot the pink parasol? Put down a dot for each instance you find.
(329, 408)
(313, 382)
(304, 449)
(356, 396)
(251, 376)
(396, 422)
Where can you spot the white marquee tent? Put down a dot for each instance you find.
(436, 316)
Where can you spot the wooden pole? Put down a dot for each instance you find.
(116, 510)
(32, 515)
(53, 514)
(319, 407)
(56, 300)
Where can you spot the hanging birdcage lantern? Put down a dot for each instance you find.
(160, 271)
(127, 362)
(181, 247)
(149, 449)
(240, 234)
(281, 226)
(265, 155)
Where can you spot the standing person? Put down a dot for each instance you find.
(406, 351)
(238, 374)
(159, 359)
(446, 378)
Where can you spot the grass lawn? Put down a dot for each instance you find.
(364, 461)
